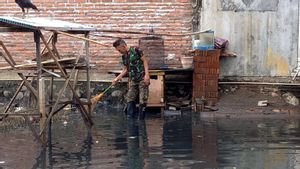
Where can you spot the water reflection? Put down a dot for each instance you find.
(181, 141)
(137, 143)
(59, 158)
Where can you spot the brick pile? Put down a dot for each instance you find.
(206, 75)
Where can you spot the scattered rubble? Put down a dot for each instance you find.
(7, 94)
(117, 93)
(290, 99)
(274, 94)
(20, 96)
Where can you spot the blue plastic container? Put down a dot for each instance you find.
(204, 41)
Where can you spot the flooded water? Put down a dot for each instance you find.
(178, 141)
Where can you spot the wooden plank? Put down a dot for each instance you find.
(33, 65)
(156, 105)
(156, 92)
(151, 72)
(20, 114)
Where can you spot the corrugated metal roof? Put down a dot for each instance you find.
(44, 23)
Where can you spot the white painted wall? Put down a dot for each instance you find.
(263, 33)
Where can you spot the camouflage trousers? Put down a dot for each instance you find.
(137, 89)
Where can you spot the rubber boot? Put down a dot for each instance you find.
(141, 112)
(130, 109)
(125, 109)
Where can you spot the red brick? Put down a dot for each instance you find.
(198, 94)
(211, 77)
(79, 1)
(211, 89)
(200, 70)
(200, 59)
(183, 1)
(198, 76)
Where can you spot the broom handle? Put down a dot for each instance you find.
(106, 90)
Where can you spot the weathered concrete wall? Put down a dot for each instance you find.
(264, 34)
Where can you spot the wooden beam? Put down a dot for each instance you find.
(11, 60)
(28, 85)
(12, 100)
(82, 38)
(34, 64)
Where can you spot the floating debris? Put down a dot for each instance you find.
(132, 137)
(172, 112)
(263, 103)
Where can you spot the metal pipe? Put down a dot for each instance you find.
(147, 33)
(259, 83)
(298, 59)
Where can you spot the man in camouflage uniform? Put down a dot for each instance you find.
(136, 65)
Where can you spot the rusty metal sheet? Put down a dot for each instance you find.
(43, 23)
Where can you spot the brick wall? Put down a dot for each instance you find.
(206, 75)
(165, 16)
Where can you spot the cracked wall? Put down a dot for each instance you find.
(264, 34)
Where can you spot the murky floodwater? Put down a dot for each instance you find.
(183, 141)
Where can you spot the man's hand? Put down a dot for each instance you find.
(147, 80)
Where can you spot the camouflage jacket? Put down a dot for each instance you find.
(135, 66)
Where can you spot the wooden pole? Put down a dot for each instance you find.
(54, 45)
(83, 111)
(48, 41)
(87, 59)
(41, 86)
(11, 62)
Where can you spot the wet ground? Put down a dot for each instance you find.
(184, 140)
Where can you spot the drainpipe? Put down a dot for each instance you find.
(296, 71)
(298, 61)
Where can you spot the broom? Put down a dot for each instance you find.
(95, 99)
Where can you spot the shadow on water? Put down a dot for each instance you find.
(177, 141)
